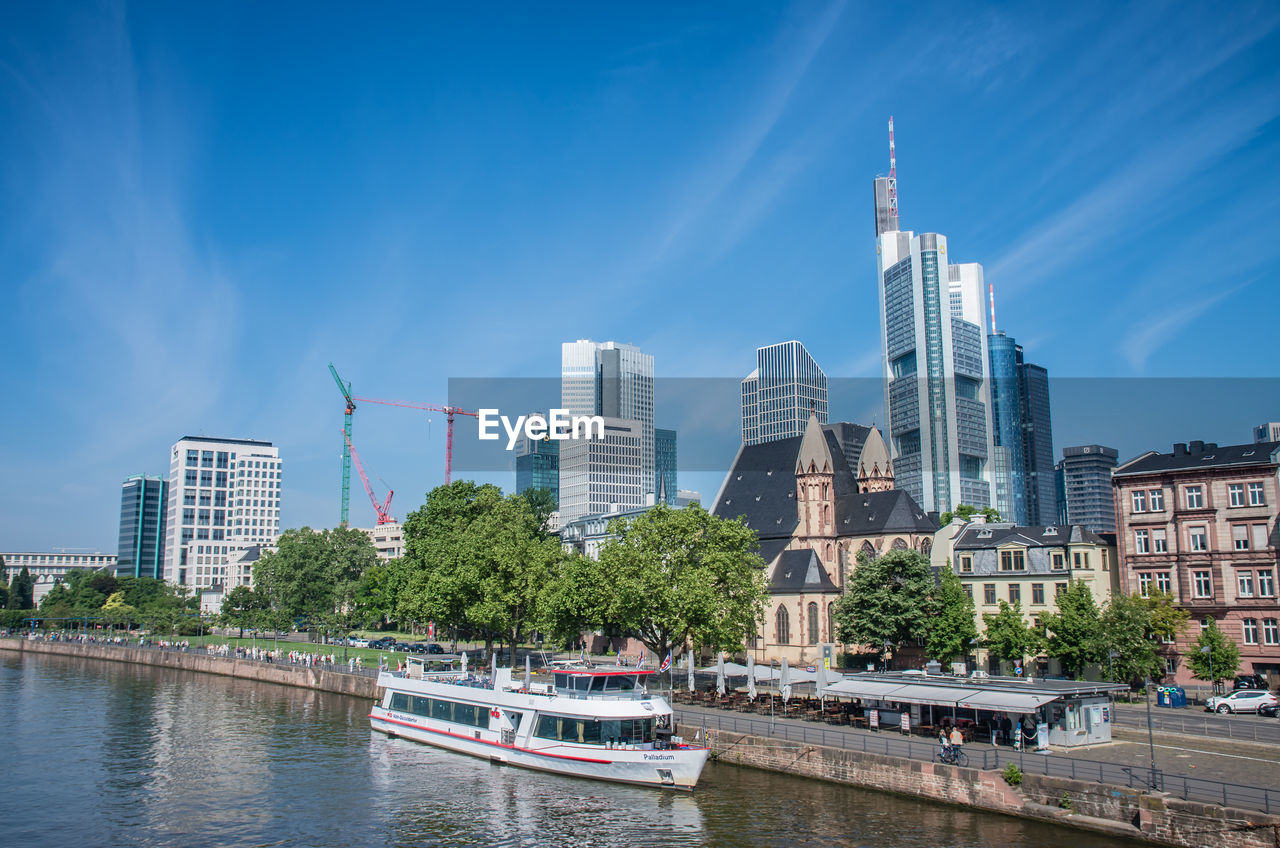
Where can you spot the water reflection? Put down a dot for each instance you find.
(108, 753)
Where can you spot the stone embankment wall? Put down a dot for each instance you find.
(282, 673)
(1114, 810)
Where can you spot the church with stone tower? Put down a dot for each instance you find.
(816, 501)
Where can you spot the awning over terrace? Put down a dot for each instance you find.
(1017, 702)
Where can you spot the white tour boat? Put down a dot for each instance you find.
(588, 722)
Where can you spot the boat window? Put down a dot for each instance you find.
(590, 732)
(562, 681)
(465, 714)
(421, 706)
(442, 710)
(582, 683)
(548, 727)
(598, 684)
(400, 701)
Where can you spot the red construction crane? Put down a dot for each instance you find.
(383, 509)
(449, 412)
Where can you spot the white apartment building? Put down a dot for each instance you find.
(224, 497)
(387, 539)
(49, 569)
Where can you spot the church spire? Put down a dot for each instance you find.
(815, 454)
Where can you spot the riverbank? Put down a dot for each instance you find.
(1101, 808)
(285, 674)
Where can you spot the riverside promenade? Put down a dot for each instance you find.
(1100, 789)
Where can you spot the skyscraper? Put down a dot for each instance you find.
(936, 368)
(143, 507)
(224, 496)
(1008, 466)
(615, 381)
(1085, 485)
(1037, 443)
(665, 486)
(779, 394)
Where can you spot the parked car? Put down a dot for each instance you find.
(433, 648)
(418, 648)
(357, 642)
(1249, 681)
(1272, 710)
(1240, 701)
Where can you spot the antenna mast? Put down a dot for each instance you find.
(893, 175)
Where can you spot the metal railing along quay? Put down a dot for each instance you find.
(1252, 729)
(1052, 765)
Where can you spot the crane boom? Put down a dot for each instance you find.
(345, 388)
(384, 509)
(449, 413)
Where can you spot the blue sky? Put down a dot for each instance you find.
(205, 204)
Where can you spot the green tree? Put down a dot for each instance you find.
(886, 602)
(21, 590)
(1125, 644)
(312, 575)
(542, 502)
(116, 611)
(573, 600)
(1072, 632)
(241, 608)
(1008, 636)
(965, 512)
(671, 576)
(950, 626)
(1213, 656)
(1165, 620)
(441, 583)
(511, 559)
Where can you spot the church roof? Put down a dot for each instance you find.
(797, 571)
(761, 488)
(815, 453)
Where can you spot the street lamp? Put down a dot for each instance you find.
(1213, 689)
(1151, 738)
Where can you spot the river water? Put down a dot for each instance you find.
(97, 753)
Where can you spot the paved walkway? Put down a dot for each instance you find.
(1190, 766)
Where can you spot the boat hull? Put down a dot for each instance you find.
(675, 768)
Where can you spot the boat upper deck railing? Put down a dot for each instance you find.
(537, 687)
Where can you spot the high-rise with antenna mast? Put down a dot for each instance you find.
(936, 364)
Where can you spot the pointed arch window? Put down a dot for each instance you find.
(899, 545)
(813, 623)
(782, 623)
(868, 549)
(831, 622)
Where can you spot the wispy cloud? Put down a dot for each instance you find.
(730, 157)
(1154, 332)
(1132, 196)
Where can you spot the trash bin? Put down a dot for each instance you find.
(1163, 697)
(1179, 698)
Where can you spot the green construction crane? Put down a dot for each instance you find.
(345, 388)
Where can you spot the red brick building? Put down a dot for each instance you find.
(1200, 523)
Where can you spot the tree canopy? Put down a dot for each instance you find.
(965, 512)
(1071, 633)
(950, 623)
(313, 574)
(1213, 655)
(672, 576)
(1125, 644)
(1008, 636)
(887, 602)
